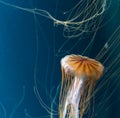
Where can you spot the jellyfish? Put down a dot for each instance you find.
(79, 76)
(79, 73)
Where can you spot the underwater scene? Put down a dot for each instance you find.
(59, 59)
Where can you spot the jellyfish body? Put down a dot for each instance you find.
(79, 75)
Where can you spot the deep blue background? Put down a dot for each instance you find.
(19, 31)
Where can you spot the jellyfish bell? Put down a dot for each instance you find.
(79, 75)
(81, 65)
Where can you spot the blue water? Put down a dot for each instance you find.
(30, 48)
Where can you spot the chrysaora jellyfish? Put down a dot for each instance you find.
(79, 76)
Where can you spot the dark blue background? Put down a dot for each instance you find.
(19, 31)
